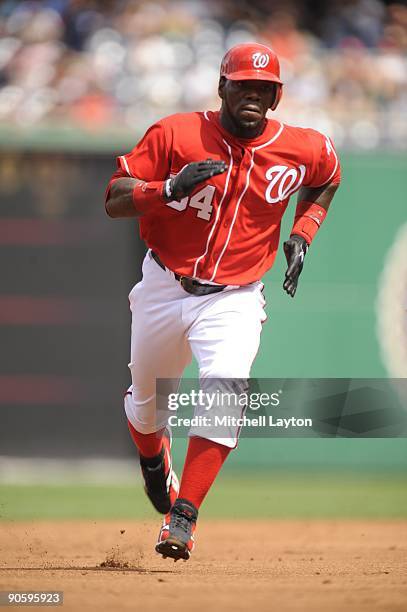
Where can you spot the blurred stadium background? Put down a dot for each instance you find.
(79, 83)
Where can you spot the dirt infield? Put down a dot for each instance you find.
(262, 565)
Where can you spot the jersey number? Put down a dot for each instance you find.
(202, 201)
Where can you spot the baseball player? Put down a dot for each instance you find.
(210, 189)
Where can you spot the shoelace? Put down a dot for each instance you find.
(181, 520)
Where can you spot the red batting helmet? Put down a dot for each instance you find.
(252, 61)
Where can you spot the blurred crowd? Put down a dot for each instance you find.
(123, 64)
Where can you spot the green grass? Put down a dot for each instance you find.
(271, 496)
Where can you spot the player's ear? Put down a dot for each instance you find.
(221, 86)
(278, 90)
(275, 91)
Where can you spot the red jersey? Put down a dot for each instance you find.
(227, 231)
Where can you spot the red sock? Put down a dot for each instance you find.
(202, 464)
(149, 445)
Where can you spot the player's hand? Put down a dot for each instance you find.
(191, 175)
(295, 249)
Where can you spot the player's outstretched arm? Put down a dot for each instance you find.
(132, 197)
(191, 175)
(312, 206)
(319, 195)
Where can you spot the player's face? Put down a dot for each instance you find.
(247, 102)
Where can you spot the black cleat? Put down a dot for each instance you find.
(176, 538)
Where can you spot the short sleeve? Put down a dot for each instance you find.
(149, 160)
(325, 166)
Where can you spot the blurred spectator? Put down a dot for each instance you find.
(122, 64)
(354, 22)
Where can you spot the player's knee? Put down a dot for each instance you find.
(142, 415)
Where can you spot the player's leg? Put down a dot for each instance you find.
(224, 338)
(159, 349)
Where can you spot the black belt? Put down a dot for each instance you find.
(190, 284)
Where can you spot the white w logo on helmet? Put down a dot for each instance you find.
(260, 60)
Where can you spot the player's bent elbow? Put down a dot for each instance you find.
(116, 209)
(109, 208)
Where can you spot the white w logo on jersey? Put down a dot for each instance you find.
(283, 182)
(260, 60)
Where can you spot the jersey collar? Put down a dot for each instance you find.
(271, 130)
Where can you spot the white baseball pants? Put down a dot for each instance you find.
(222, 330)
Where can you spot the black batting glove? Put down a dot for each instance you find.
(295, 249)
(191, 175)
